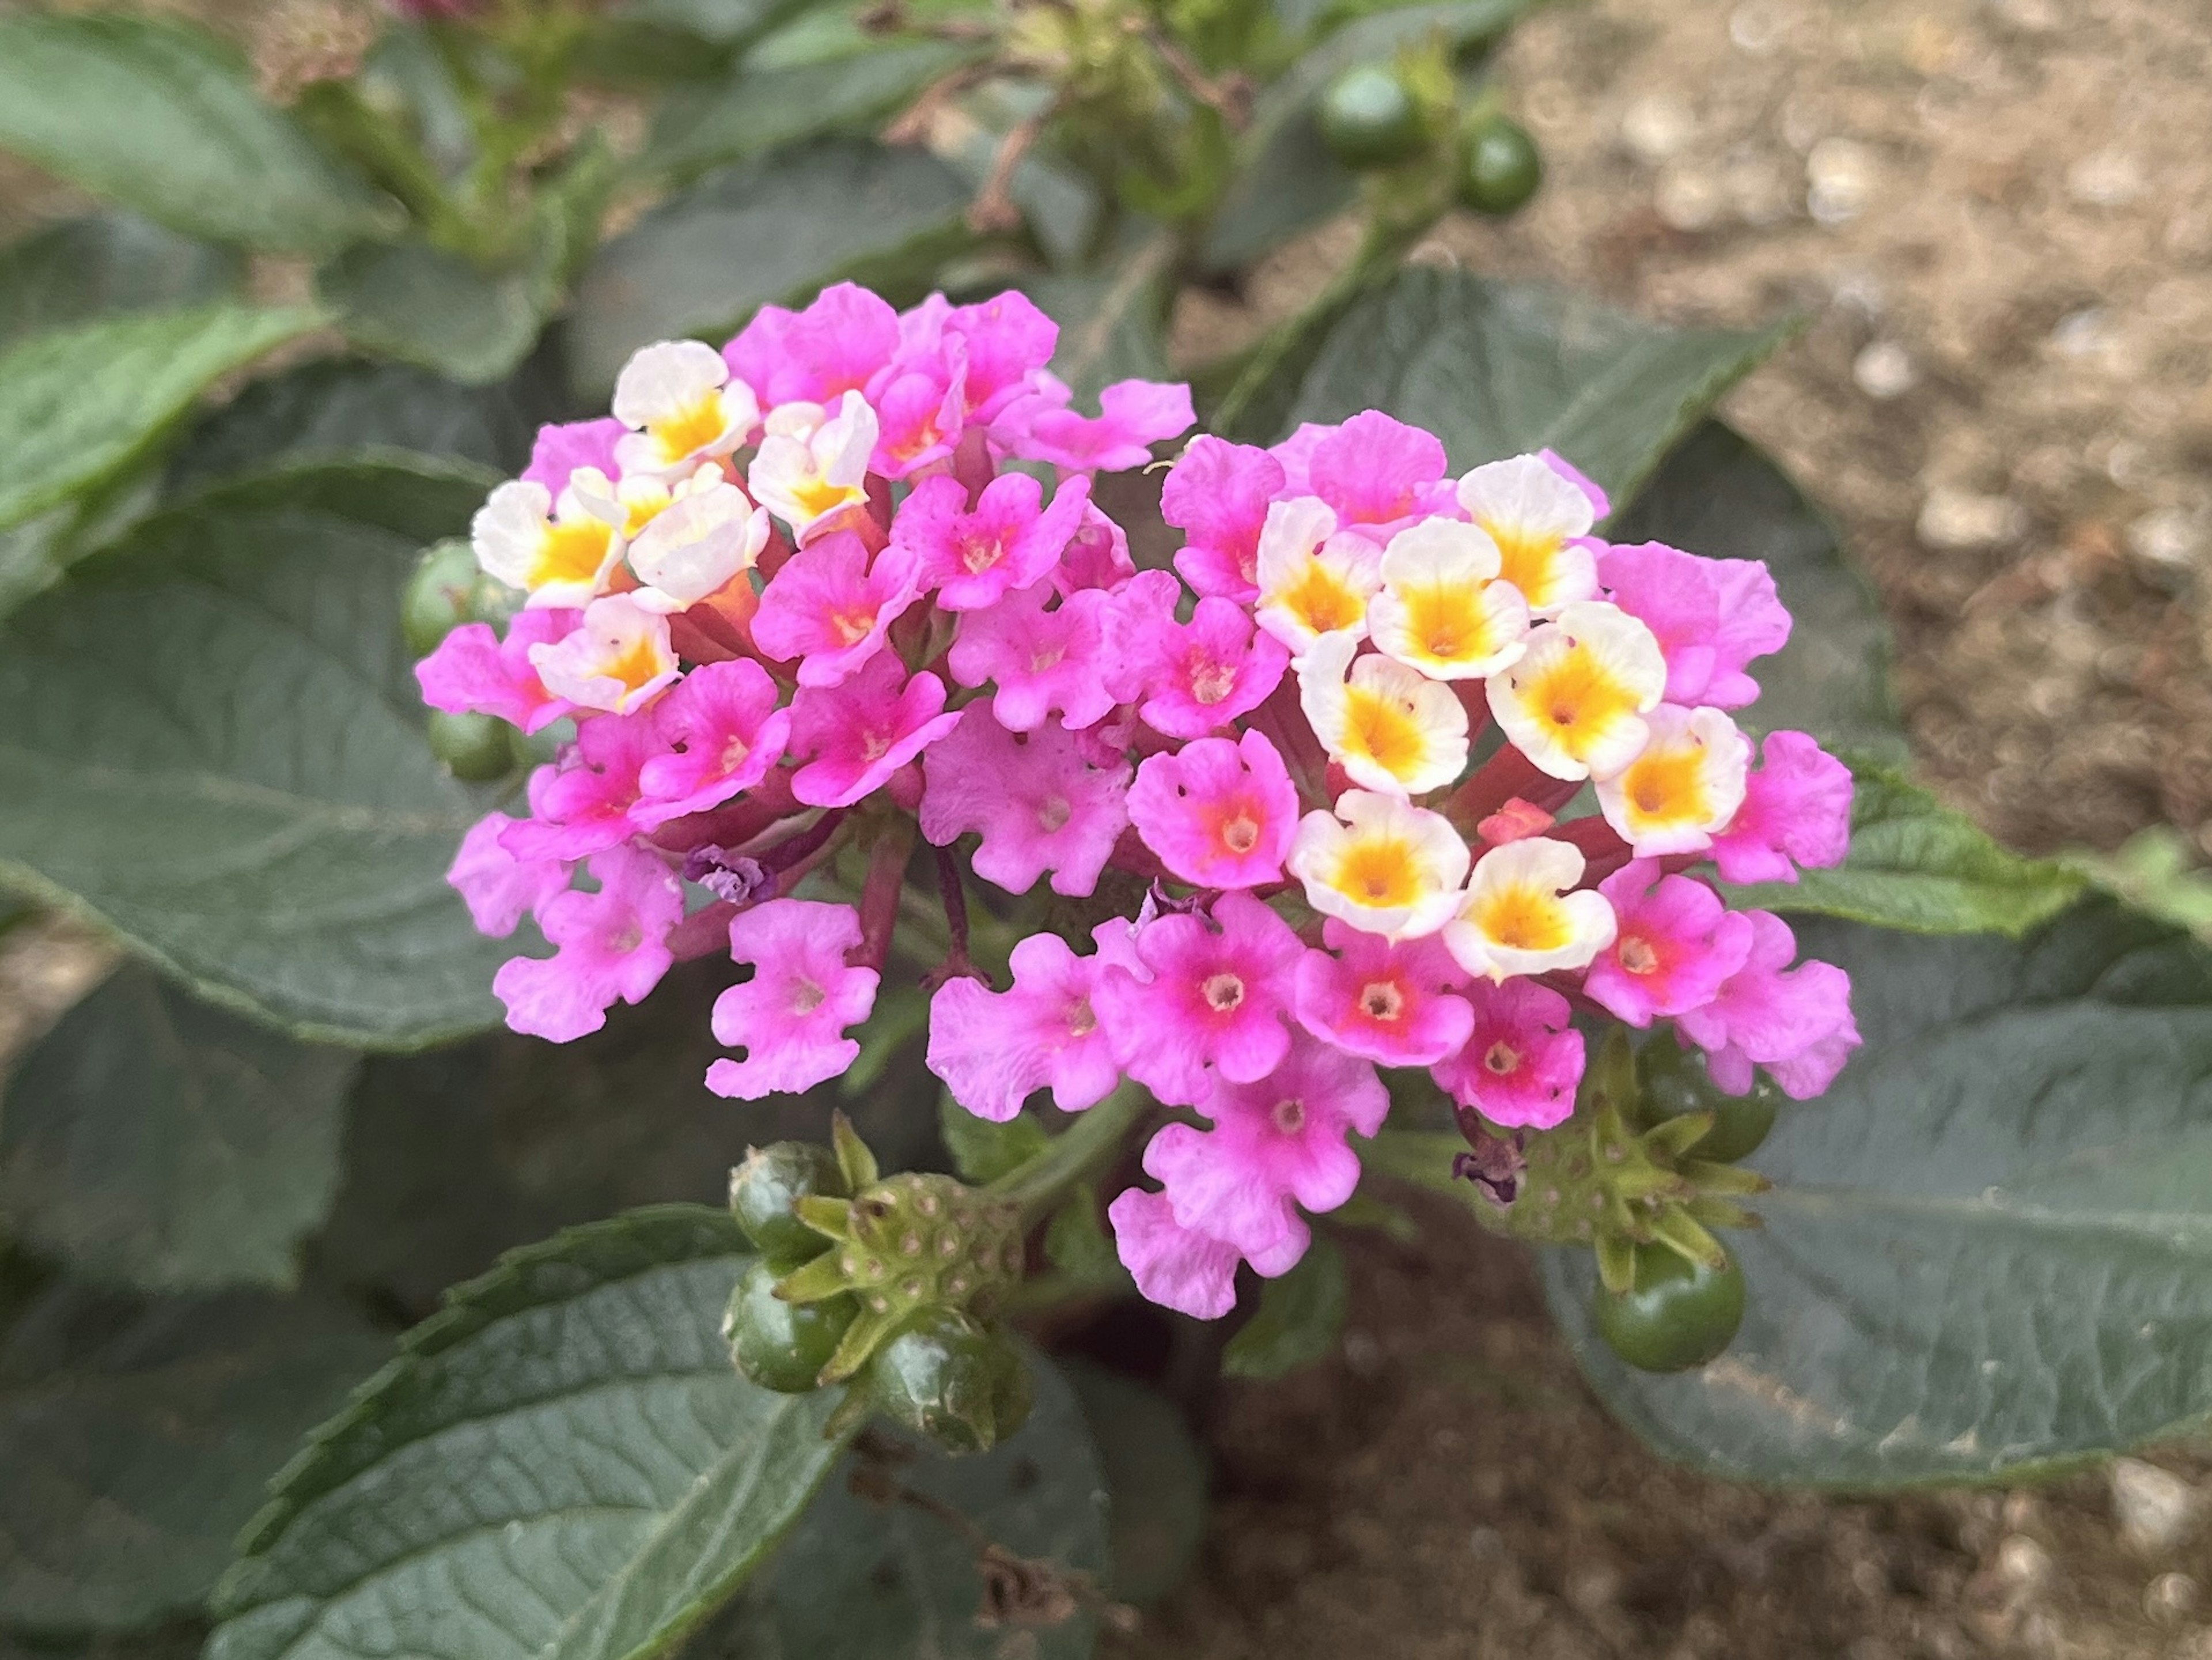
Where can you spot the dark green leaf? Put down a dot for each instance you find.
(1496, 369)
(763, 110)
(150, 1140)
(1156, 1477)
(163, 117)
(1717, 496)
(1989, 1245)
(776, 229)
(982, 1150)
(137, 1443)
(77, 405)
(726, 23)
(427, 306)
(1298, 1321)
(561, 1463)
(81, 269)
(1915, 864)
(859, 1582)
(215, 746)
(2155, 870)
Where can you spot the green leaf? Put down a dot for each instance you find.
(105, 263)
(163, 117)
(430, 306)
(982, 1150)
(858, 1582)
(137, 1439)
(2155, 870)
(77, 405)
(776, 229)
(1717, 496)
(1156, 1477)
(1496, 369)
(1113, 325)
(1298, 1321)
(562, 1464)
(154, 1141)
(216, 747)
(758, 111)
(1989, 1248)
(1915, 864)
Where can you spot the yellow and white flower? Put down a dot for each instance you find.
(1312, 580)
(1684, 788)
(1518, 917)
(619, 659)
(1533, 515)
(1441, 609)
(1391, 729)
(682, 408)
(561, 553)
(1380, 864)
(709, 532)
(812, 465)
(1575, 703)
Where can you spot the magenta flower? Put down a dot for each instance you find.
(1191, 676)
(1797, 813)
(1675, 943)
(1010, 540)
(558, 451)
(1710, 617)
(1133, 415)
(862, 731)
(830, 609)
(1217, 494)
(499, 888)
(1175, 1267)
(920, 411)
(719, 731)
(585, 803)
(993, 1048)
(1219, 995)
(1379, 473)
(834, 346)
(1275, 1140)
(1522, 1062)
(997, 350)
(474, 671)
(1042, 660)
(1796, 1022)
(1220, 813)
(1038, 803)
(1097, 555)
(790, 1017)
(1390, 1004)
(612, 944)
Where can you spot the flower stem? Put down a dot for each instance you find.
(1075, 1153)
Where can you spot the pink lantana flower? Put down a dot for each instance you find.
(1217, 494)
(1038, 803)
(719, 731)
(834, 346)
(995, 350)
(1133, 415)
(1097, 555)
(1711, 616)
(1044, 661)
(1175, 1267)
(1390, 1004)
(1219, 995)
(1276, 1141)
(1010, 540)
(560, 450)
(1796, 1022)
(1675, 943)
(1379, 473)
(1190, 676)
(1796, 813)
(613, 944)
(586, 803)
(1220, 813)
(790, 1017)
(830, 608)
(474, 671)
(499, 888)
(1522, 1062)
(862, 731)
(993, 1048)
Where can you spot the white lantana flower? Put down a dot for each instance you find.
(709, 532)
(682, 408)
(560, 553)
(1391, 729)
(1533, 515)
(1685, 785)
(617, 660)
(1518, 917)
(814, 464)
(1575, 703)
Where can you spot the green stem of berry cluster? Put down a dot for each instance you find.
(1078, 1152)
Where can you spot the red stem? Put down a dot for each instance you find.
(1507, 775)
(879, 896)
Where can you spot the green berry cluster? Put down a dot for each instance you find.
(1381, 117)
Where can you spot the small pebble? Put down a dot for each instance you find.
(2169, 1600)
(1951, 518)
(2153, 1508)
(2021, 1563)
(2165, 543)
(1657, 127)
(1883, 370)
(2109, 178)
(1841, 173)
(1689, 199)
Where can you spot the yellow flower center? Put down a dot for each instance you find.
(690, 430)
(571, 553)
(1667, 786)
(1321, 602)
(1526, 559)
(1380, 874)
(1381, 729)
(1523, 918)
(635, 666)
(1446, 622)
(1577, 699)
(819, 497)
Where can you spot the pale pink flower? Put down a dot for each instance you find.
(619, 659)
(1379, 473)
(994, 1049)
(1036, 802)
(834, 346)
(1193, 676)
(585, 803)
(499, 888)
(1133, 415)
(611, 944)
(1797, 813)
(474, 671)
(1217, 494)
(1220, 813)
(862, 731)
(1175, 1267)
(560, 450)
(790, 1017)
(719, 731)
(996, 350)
(1044, 661)
(1673, 944)
(1796, 1022)
(1710, 617)
(1391, 1004)
(1521, 1065)
(830, 608)
(1010, 540)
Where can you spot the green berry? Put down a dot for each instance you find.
(1370, 118)
(477, 748)
(763, 1189)
(1679, 1313)
(1672, 1081)
(778, 1345)
(439, 596)
(1499, 167)
(947, 1375)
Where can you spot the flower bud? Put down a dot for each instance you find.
(475, 748)
(947, 1375)
(765, 1189)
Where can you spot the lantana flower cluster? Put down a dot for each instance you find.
(1412, 768)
